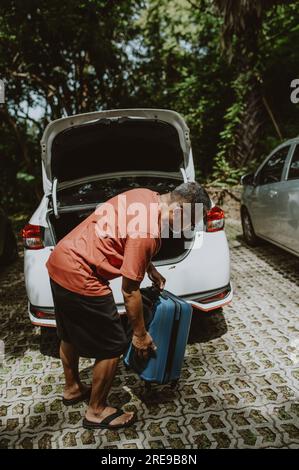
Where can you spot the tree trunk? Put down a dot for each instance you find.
(248, 132)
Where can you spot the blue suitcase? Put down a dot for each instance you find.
(169, 329)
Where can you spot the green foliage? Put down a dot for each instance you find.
(182, 69)
(61, 58)
(21, 176)
(224, 174)
(225, 162)
(256, 34)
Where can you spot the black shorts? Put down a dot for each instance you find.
(91, 323)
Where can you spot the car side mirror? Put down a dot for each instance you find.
(248, 180)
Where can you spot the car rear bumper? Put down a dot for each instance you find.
(41, 316)
(211, 300)
(204, 301)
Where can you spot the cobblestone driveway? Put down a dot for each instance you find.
(237, 391)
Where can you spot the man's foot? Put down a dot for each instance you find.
(79, 392)
(109, 418)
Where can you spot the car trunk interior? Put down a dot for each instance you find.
(171, 248)
(100, 190)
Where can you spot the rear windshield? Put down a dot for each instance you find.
(95, 192)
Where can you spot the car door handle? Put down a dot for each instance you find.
(273, 193)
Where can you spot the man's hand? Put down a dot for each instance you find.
(157, 279)
(143, 345)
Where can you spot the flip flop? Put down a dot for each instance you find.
(74, 401)
(105, 424)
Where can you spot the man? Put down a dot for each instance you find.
(104, 246)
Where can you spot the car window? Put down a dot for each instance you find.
(272, 170)
(294, 166)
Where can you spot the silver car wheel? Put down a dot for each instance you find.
(248, 231)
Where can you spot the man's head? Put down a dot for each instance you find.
(186, 205)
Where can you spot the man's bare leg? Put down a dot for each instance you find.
(70, 360)
(103, 375)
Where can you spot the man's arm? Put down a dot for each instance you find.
(133, 305)
(141, 340)
(154, 275)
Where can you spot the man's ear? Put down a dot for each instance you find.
(176, 208)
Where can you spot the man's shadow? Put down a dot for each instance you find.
(278, 258)
(205, 326)
(49, 342)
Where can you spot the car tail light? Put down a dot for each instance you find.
(215, 297)
(33, 237)
(41, 314)
(215, 219)
(44, 313)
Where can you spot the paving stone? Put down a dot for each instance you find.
(238, 391)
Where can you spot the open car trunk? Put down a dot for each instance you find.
(77, 202)
(91, 158)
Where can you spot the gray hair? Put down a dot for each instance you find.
(192, 192)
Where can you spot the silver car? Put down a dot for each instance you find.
(270, 199)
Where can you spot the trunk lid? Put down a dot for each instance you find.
(90, 144)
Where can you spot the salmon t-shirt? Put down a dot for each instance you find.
(118, 239)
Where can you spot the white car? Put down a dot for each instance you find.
(87, 159)
(270, 199)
